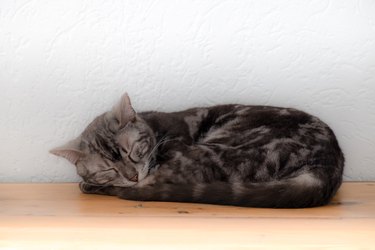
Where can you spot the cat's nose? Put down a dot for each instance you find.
(134, 178)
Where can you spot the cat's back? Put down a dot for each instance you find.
(235, 123)
(244, 121)
(265, 142)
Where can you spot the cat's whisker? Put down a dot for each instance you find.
(162, 141)
(150, 160)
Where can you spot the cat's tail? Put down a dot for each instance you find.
(304, 190)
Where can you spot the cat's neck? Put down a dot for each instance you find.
(167, 125)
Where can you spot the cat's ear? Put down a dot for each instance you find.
(69, 151)
(124, 111)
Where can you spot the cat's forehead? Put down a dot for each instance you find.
(100, 139)
(103, 121)
(129, 131)
(103, 127)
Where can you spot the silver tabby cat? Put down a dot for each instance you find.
(256, 156)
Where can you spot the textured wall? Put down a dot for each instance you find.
(64, 62)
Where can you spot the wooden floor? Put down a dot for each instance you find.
(58, 216)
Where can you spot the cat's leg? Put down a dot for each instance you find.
(157, 192)
(163, 186)
(143, 193)
(180, 179)
(164, 191)
(123, 192)
(146, 190)
(97, 189)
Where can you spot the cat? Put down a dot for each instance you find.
(253, 156)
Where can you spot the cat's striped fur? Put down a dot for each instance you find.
(255, 156)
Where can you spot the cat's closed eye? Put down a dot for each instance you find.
(105, 176)
(138, 152)
(142, 149)
(123, 150)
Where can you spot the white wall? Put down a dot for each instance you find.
(64, 62)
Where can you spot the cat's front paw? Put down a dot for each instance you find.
(87, 188)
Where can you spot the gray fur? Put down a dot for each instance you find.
(230, 154)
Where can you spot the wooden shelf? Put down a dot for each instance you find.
(58, 216)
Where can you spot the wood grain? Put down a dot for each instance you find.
(58, 216)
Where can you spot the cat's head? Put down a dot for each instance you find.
(115, 149)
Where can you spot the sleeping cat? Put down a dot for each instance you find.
(255, 156)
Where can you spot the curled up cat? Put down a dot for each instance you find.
(255, 156)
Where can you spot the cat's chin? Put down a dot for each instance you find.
(143, 172)
(142, 175)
